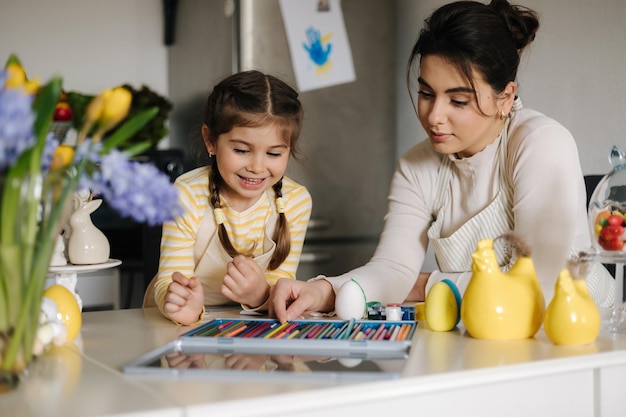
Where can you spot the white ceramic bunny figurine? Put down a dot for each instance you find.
(87, 244)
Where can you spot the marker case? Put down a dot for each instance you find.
(370, 336)
(336, 354)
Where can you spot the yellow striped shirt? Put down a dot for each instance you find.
(246, 229)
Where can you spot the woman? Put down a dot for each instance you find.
(487, 167)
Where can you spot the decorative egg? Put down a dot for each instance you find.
(350, 301)
(68, 310)
(350, 362)
(442, 308)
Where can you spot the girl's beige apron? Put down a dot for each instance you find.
(211, 259)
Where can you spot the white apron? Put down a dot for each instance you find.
(454, 253)
(211, 259)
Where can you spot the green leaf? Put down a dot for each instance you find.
(128, 129)
(11, 196)
(13, 59)
(139, 148)
(45, 103)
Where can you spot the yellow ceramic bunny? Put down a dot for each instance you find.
(499, 305)
(572, 317)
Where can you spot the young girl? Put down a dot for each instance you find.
(244, 221)
(488, 166)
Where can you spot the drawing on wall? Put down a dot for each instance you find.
(318, 42)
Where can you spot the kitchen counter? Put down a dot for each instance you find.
(446, 374)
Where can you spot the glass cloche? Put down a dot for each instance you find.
(607, 210)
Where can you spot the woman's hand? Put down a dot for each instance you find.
(184, 299)
(245, 282)
(290, 298)
(418, 292)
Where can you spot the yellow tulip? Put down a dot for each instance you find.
(109, 108)
(62, 156)
(16, 78)
(31, 86)
(116, 106)
(96, 106)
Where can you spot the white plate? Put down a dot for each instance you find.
(70, 268)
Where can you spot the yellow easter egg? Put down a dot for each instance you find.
(442, 306)
(68, 310)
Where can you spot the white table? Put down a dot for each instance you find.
(447, 374)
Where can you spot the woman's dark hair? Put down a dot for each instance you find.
(251, 99)
(488, 38)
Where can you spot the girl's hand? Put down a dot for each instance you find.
(181, 361)
(244, 362)
(245, 282)
(184, 299)
(290, 299)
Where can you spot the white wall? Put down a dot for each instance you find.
(93, 44)
(574, 72)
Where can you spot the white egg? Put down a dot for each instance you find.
(350, 301)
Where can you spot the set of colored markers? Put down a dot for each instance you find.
(316, 329)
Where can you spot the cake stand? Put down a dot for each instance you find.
(67, 275)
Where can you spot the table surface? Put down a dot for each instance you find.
(85, 377)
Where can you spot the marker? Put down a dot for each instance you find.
(223, 325)
(292, 335)
(360, 335)
(325, 331)
(235, 332)
(378, 331)
(394, 335)
(204, 328)
(306, 329)
(335, 331)
(314, 331)
(251, 326)
(346, 334)
(258, 330)
(230, 328)
(403, 331)
(355, 330)
(287, 330)
(383, 334)
(209, 331)
(276, 330)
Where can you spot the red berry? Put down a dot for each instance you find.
(611, 232)
(62, 113)
(615, 220)
(613, 244)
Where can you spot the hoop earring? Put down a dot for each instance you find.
(210, 154)
(502, 115)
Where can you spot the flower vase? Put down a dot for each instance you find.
(32, 217)
(87, 244)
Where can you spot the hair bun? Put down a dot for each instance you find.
(522, 22)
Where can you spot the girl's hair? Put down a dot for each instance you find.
(476, 36)
(252, 99)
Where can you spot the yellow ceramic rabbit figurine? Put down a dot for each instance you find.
(499, 305)
(572, 317)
